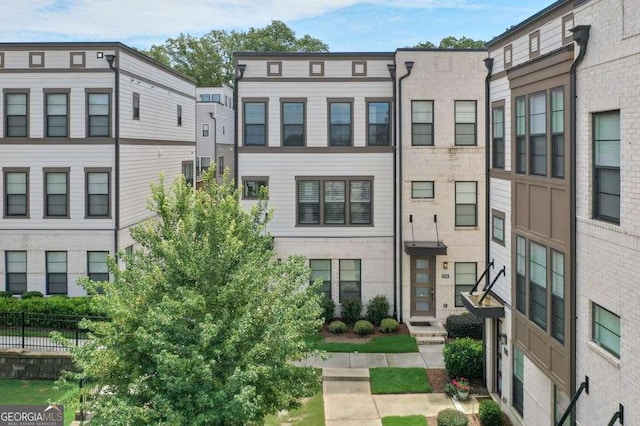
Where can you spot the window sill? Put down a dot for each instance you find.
(604, 354)
(422, 200)
(467, 228)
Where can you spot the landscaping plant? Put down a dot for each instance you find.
(363, 328)
(388, 325)
(351, 309)
(463, 358)
(452, 417)
(490, 413)
(337, 327)
(328, 309)
(377, 309)
(464, 325)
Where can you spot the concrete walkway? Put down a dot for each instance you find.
(347, 392)
(430, 356)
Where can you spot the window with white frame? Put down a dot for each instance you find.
(350, 278)
(466, 116)
(321, 269)
(465, 279)
(466, 203)
(16, 271)
(606, 173)
(606, 329)
(422, 189)
(56, 272)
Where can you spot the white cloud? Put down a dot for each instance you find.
(150, 21)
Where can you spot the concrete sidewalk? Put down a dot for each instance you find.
(348, 400)
(430, 356)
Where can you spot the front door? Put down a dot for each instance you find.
(423, 286)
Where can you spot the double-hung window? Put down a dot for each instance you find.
(340, 123)
(255, 123)
(378, 119)
(557, 295)
(16, 271)
(538, 284)
(465, 279)
(606, 148)
(606, 329)
(16, 114)
(465, 112)
(538, 134)
(557, 133)
(334, 201)
(521, 135)
(466, 203)
(293, 123)
(97, 201)
(497, 227)
(56, 193)
(56, 272)
(57, 114)
(350, 278)
(498, 138)
(422, 123)
(321, 269)
(97, 268)
(16, 193)
(99, 109)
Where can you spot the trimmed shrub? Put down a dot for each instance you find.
(463, 358)
(452, 417)
(464, 325)
(337, 327)
(328, 309)
(6, 294)
(31, 294)
(377, 309)
(490, 413)
(388, 325)
(351, 309)
(59, 311)
(363, 328)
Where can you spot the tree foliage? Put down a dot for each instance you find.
(209, 59)
(204, 321)
(452, 42)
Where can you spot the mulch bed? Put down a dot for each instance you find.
(402, 329)
(438, 377)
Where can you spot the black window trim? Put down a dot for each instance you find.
(596, 168)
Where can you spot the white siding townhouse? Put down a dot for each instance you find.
(85, 129)
(564, 101)
(316, 129)
(215, 132)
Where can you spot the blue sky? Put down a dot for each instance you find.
(345, 25)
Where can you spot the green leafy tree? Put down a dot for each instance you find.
(452, 42)
(205, 323)
(209, 59)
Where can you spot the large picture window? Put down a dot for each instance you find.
(606, 148)
(421, 123)
(334, 201)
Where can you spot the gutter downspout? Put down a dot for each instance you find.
(396, 257)
(580, 38)
(239, 73)
(111, 61)
(409, 65)
(488, 63)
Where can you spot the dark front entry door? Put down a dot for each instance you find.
(423, 286)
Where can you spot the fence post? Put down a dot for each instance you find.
(77, 329)
(23, 328)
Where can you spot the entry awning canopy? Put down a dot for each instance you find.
(425, 248)
(490, 307)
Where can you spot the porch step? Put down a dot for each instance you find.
(434, 331)
(345, 374)
(430, 340)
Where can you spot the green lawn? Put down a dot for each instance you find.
(404, 421)
(387, 344)
(34, 392)
(399, 380)
(311, 413)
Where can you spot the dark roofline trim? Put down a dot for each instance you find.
(527, 21)
(314, 55)
(115, 45)
(419, 49)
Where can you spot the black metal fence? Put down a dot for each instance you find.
(32, 331)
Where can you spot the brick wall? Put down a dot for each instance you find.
(21, 364)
